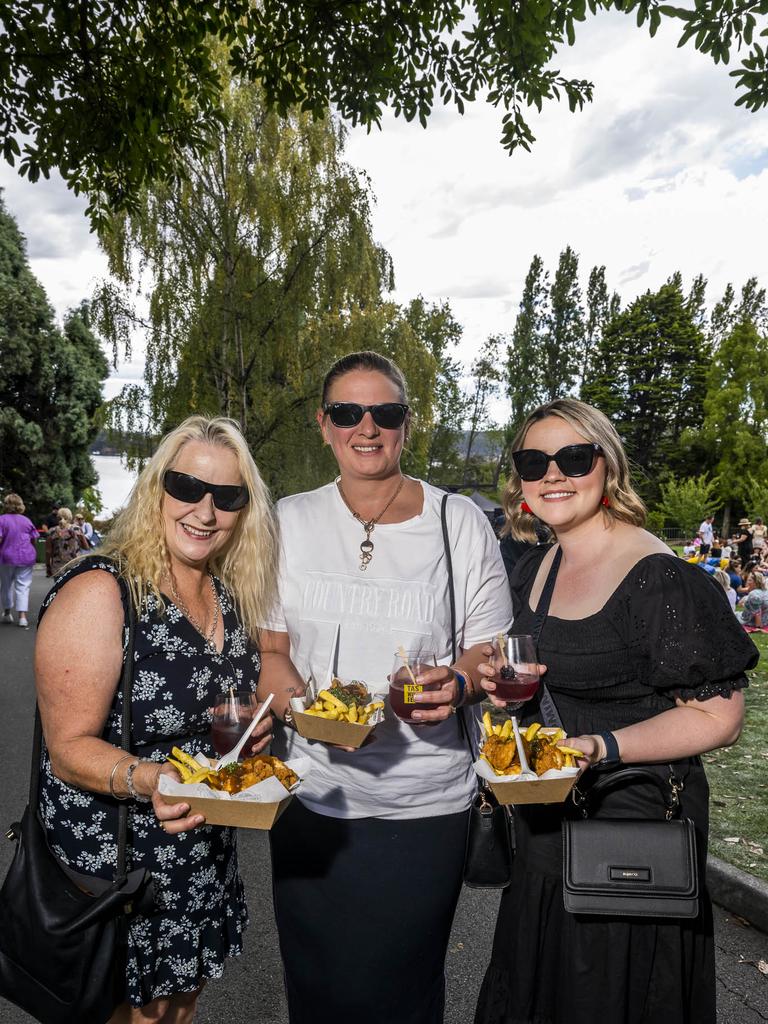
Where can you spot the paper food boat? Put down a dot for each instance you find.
(258, 806)
(550, 788)
(312, 727)
(348, 734)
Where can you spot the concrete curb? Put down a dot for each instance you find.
(738, 891)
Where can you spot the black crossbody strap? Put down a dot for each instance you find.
(549, 712)
(452, 600)
(449, 566)
(126, 684)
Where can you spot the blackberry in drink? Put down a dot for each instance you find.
(516, 676)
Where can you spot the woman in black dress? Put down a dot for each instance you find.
(643, 654)
(195, 551)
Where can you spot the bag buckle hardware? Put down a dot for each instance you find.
(676, 786)
(13, 832)
(485, 805)
(580, 801)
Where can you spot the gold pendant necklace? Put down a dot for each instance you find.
(366, 546)
(209, 636)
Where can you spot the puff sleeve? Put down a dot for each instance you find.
(681, 626)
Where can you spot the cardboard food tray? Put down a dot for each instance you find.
(261, 810)
(348, 734)
(552, 787)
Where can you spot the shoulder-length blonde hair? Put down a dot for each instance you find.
(246, 565)
(625, 504)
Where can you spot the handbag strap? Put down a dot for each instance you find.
(669, 788)
(126, 684)
(548, 708)
(463, 729)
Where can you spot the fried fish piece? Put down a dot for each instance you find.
(501, 754)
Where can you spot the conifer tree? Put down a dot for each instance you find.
(563, 341)
(50, 386)
(524, 375)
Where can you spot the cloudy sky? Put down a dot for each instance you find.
(661, 172)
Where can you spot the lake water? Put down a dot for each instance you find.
(115, 481)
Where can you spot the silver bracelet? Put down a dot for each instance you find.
(132, 791)
(115, 766)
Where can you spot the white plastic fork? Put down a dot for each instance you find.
(234, 753)
(525, 771)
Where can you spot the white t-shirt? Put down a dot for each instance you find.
(407, 771)
(707, 532)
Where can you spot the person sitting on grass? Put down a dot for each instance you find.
(754, 612)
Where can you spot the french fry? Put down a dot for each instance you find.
(186, 759)
(531, 731)
(571, 750)
(506, 729)
(327, 697)
(487, 723)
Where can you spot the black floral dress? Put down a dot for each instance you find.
(666, 631)
(200, 913)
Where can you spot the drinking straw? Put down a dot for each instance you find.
(502, 648)
(404, 656)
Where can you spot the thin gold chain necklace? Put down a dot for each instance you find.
(366, 546)
(208, 637)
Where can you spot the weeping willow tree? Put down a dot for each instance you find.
(246, 278)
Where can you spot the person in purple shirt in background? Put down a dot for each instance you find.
(17, 559)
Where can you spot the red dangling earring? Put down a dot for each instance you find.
(525, 507)
(605, 501)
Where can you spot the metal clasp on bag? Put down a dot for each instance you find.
(580, 801)
(676, 786)
(14, 831)
(484, 803)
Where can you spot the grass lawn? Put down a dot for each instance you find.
(738, 780)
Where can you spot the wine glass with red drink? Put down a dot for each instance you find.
(516, 672)
(232, 714)
(406, 679)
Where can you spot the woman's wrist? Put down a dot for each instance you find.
(467, 690)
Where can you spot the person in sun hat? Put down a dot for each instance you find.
(743, 539)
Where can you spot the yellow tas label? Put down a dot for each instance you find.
(408, 691)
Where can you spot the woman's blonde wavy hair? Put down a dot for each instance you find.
(246, 565)
(625, 504)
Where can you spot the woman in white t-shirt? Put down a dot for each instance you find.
(368, 859)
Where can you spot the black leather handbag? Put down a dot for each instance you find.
(489, 850)
(62, 933)
(631, 867)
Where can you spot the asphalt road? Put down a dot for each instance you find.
(251, 990)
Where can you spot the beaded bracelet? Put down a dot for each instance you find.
(132, 791)
(115, 766)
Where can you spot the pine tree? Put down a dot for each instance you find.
(650, 379)
(563, 341)
(598, 314)
(736, 411)
(50, 387)
(486, 377)
(524, 377)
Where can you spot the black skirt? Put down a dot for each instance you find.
(364, 909)
(552, 967)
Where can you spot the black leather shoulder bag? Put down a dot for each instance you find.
(63, 933)
(631, 867)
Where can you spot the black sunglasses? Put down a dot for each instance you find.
(573, 460)
(389, 415)
(183, 487)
